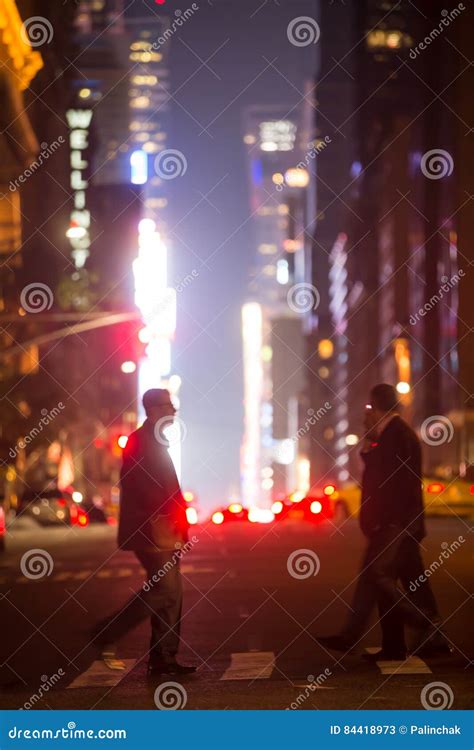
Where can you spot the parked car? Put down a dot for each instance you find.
(52, 507)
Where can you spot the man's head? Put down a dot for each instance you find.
(157, 404)
(383, 400)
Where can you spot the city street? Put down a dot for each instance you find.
(248, 624)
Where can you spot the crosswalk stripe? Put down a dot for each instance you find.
(99, 675)
(104, 573)
(412, 665)
(250, 665)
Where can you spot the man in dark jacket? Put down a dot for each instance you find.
(152, 524)
(392, 519)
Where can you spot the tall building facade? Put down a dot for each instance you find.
(391, 250)
(273, 343)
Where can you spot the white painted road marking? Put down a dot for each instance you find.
(99, 675)
(250, 665)
(103, 573)
(412, 665)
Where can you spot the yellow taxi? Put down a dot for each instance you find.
(453, 497)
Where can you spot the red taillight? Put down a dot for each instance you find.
(471, 489)
(435, 488)
(2, 522)
(73, 514)
(83, 519)
(61, 502)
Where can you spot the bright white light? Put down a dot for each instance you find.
(277, 507)
(403, 387)
(316, 507)
(122, 441)
(139, 167)
(77, 496)
(217, 517)
(283, 272)
(174, 384)
(261, 515)
(285, 452)
(146, 226)
(303, 472)
(253, 392)
(297, 177)
(192, 516)
(352, 439)
(128, 367)
(76, 233)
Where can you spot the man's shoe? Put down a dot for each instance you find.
(336, 643)
(169, 667)
(385, 655)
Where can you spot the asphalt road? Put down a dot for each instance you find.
(248, 623)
